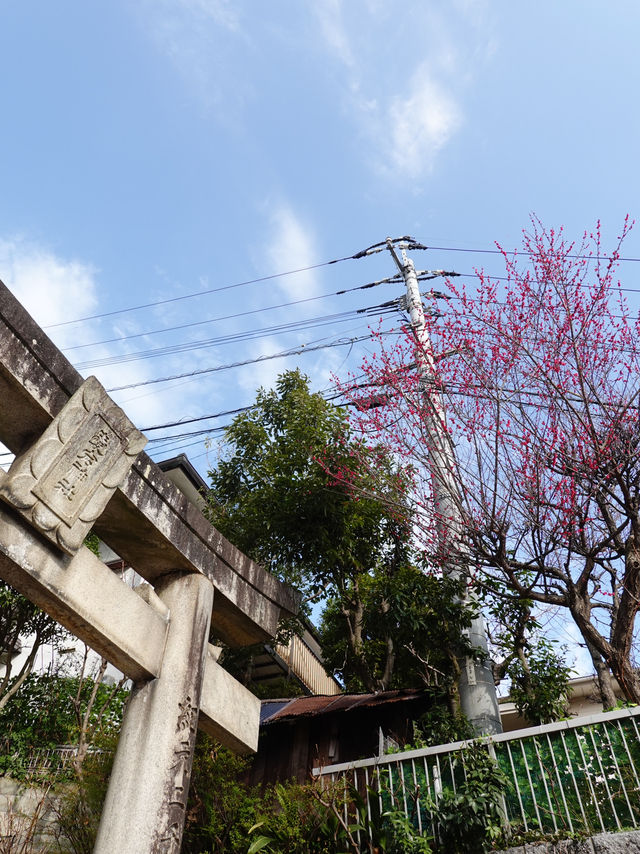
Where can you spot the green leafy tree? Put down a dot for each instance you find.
(534, 665)
(51, 710)
(540, 684)
(274, 500)
(21, 620)
(295, 491)
(410, 617)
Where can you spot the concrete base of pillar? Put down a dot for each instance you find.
(145, 807)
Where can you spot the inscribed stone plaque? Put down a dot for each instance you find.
(63, 482)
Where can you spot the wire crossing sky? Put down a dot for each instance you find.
(188, 185)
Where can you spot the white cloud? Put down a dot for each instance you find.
(222, 12)
(290, 246)
(55, 289)
(51, 288)
(330, 17)
(171, 19)
(198, 36)
(408, 106)
(421, 124)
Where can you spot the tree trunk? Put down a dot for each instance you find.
(390, 658)
(354, 617)
(605, 681)
(626, 676)
(616, 659)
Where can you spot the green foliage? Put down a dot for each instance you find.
(321, 509)
(469, 819)
(540, 688)
(621, 704)
(403, 836)
(92, 542)
(19, 616)
(421, 614)
(272, 497)
(536, 668)
(440, 726)
(302, 819)
(311, 818)
(221, 808)
(19, 619)
(80, 806)
(225, 816)
(42, 714)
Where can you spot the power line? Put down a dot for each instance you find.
(232, 338)
(524, 254)
(282, 355)
(203, 293)
(482, 392)
(517, 397)
(410, 243)
(284, 327)
(197, 418)
(391, 279)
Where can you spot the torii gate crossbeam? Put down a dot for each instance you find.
(77, 467)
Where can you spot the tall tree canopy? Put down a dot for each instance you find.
(540, 374)
(292, 491)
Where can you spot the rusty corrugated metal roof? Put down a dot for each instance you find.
(301, 707)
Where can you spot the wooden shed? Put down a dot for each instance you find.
(306, 732)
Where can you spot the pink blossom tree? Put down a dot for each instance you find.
(535, 381)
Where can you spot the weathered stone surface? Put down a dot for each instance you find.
(125, 626)
(73, 448)
(569, 846)
(147, 521)
(146, 803)
(617, 843)
(28, 816)
(228, 711)
(84, 596)
(577, 846)
(63, 482)
(602, 843)
(156, 529)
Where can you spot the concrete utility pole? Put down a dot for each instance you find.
(478, 697)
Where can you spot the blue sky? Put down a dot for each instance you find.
(156, 149)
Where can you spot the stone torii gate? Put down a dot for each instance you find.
(80, 466)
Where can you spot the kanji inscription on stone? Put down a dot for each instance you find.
(64, 481)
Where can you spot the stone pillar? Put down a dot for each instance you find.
(145, 807)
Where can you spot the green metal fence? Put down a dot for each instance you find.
(581, 775)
